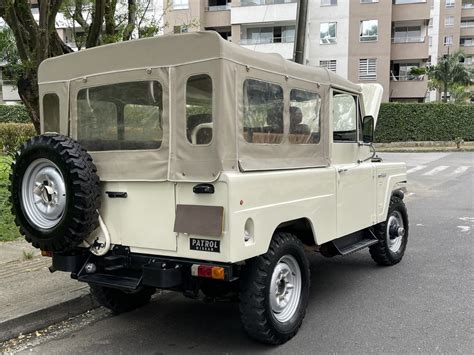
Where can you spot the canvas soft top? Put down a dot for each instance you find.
(174, 50)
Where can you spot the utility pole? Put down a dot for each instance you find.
(301, 14)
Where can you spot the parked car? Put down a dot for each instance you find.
(188, 163)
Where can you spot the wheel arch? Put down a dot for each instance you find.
(302, 228)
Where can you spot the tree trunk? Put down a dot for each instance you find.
(29, 94)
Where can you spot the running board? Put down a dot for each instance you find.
(355, 242)
(120, 282)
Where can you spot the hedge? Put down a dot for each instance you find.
(400, 122)
(13, 135)
(14, 114)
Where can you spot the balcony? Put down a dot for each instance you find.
(277, 12)
(225, 7)
(411, 11)
(402, 87)
(404, 48)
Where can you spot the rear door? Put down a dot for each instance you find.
(122, 120)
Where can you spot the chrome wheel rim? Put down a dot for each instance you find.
(43, 194)
(285, 288)
(395, 231)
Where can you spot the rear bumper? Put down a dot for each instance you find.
(124, 270)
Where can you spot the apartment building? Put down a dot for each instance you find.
(261, 25)
(362, 40)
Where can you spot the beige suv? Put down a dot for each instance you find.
(188, 163)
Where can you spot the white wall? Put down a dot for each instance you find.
(263, 13)
(340, 51)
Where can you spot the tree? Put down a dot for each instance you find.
(100, 21)
(449, 74)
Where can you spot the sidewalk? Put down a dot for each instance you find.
(426, 146)
(31, 297)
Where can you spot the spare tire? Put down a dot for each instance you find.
(55, 192)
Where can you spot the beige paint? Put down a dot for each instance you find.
(324, 183)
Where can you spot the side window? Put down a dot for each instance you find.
(344, 118)
(305, 109)
(199, 109)
(51, 113)
(123, 116)
(263, 112)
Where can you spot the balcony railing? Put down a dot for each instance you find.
(415, 39)
(407, 77)
(252, 41)
(219, 7)
(467, 5)
(467, 24)
(264, 2)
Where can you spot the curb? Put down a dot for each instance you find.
(45, 317)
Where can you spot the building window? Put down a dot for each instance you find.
(467, 22)
(466, 41)
(305, 109)
(407, 34)
(450, 3)
(199, 109)
(401, 2)
(449, 21)
(180, 4)
(368, 69)
(328, 33)
(430, 23)
(448, 40)
(369, 30)
(263, 112)
(328, 2)
(368, 1)
(468, 4)
(265, 35)
(328, 64)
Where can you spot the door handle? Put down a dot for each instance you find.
(381, 175)
(342, 170)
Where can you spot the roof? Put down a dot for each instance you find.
(173, 50)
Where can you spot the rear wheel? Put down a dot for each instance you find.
(274, 291)
(119, 301)
(392, 235)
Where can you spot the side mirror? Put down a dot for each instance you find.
(368, 129)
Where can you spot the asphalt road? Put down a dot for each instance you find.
(422, 305)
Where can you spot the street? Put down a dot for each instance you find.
(422, 305)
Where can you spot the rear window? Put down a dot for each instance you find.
(124, 116)
(263, 112)
(199, 109)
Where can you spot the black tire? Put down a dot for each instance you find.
(257, 316)
(119, 301)
(82, 188)
(381, 252)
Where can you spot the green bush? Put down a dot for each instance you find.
(13, 135)
(400, 122)
(14, 114)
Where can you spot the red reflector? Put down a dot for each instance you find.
(46, 253)
(205, 271)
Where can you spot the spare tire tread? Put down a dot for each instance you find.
(83, 189)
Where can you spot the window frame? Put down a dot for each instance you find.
(356, 98)
(213, 109)
(367, 71)
(361, 35)
(328, 31)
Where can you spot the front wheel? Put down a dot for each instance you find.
(392, 235)
(274, 291)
